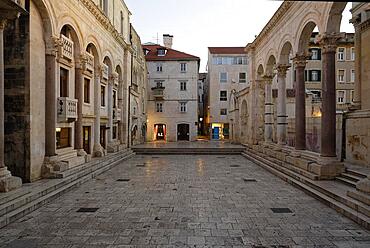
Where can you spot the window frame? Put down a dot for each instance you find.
(221, 112)
(159, 67)
(87, 90)
(223, 98)
(159, 107)
(344, 97)
(102, 95)
(353, 75)
(221, 80)
(183, 107)
(339, 57)
(183, 67)
(344, 76)
(245, 77)
(183, 85)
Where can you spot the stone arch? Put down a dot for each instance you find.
(107, 55)
(271, 62)
(93, 42)
(70, 32)
(271, 58)
(107, 61)
(47, 20)
(76, 33)
(260, 71)
(285, 52)
(244, 113)
(334, 17)
(304, 37)
(93, 50)
(119, 72)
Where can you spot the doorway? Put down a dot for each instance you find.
(102, 136)
(86, 139)
(160, 131)
(183, 132)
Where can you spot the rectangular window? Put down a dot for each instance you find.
(86, 90)
(219, 60)
(63, 136)
(341, 75)
(223, 95)
(242, 77)
(114, 99)
(353, 76)
(183, 67)
(159, 107)
(161, 52)
(341, 54)
(183, 86)
(114, 133)
(223, 77)
(102, 96)
(353, 56)
(64, 78)
(223, 111)
(341, 96)
(159, 68)
(352, 95)
(182, 107)
(314, 75)
(315, 54)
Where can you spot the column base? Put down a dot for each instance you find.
(364, 185)
(113, 147)
(81, 152)
(327, 167)
(98, 151)
(8, 182)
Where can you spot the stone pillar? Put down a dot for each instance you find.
(268, 108)
(300, 103)
(98, 150)
(7, 181)
(328, 119)
(79, 92)
(281, 105)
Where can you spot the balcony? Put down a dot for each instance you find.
(158, 92)
(105, 71)
(67, 47)
(89, 62)
(117, 115)
(67, 109)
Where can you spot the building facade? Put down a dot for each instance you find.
(227, 74)
(138, 92)
(172, 102)
(202, 103)
(67, 78)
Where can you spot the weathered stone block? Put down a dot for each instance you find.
(327, 171)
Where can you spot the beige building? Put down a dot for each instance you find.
(173, 101)
(138, 92)
(227, 74)
(67, 77)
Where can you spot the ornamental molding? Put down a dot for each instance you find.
(282, 69)
(105, 22)
(300, 60)
(329, 41)
(276, 18)
(364, 25)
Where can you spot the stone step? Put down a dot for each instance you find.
(346, 181)
(356, 173)
(348, 206)
(14, 208)
(351, 177)
(360, 196)
(188, 151)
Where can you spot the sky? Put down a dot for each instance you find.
(199, 24)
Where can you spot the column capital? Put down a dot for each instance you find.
(282, 69)
(52, 45)
(267, 78)
(329, 42)
(300, 60)
(3, 23)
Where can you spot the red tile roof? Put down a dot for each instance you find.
(226, 50)
(170, 55)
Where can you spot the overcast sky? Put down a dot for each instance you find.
(198, 24)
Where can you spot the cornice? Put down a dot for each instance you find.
(275, 19)
(104, 21)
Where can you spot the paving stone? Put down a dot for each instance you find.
(172, 202)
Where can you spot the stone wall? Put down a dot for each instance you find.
(17, 98)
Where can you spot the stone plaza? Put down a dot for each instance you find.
(185, 201)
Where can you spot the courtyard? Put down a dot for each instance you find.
(185, 201)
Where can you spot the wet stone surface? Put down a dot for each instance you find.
(185, 201)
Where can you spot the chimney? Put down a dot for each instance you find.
(167, 40)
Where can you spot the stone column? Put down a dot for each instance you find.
(357, 93)
(79, 94)
(98, 150)
(328, 120)
(51, 98)
(110, 110)
(281, 105)
(268, 108)
(7, 181)
(300, 103)
(121, 105)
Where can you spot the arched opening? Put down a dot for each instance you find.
(244, 119)
(160, 132)
(118, 108)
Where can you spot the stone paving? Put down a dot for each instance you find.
(185, 201)
(191, 145)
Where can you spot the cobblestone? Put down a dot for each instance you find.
(185, 201)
